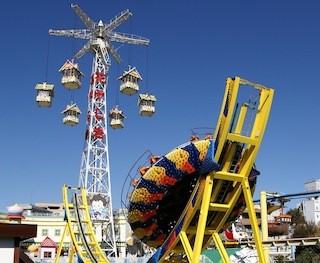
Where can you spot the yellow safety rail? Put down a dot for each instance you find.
(214, 198)
(79, 227)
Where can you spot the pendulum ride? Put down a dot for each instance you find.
(183, 201)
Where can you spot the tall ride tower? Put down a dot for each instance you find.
(95, 169)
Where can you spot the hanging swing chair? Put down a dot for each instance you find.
(71, 114)
(70, 75)
(44, 94)
(146, 102)
(116, 118)
(130, 81)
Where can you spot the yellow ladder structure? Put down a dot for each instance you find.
(79, 227)
(216, 197)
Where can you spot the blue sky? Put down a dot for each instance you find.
(195, 46)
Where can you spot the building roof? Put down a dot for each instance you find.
(52, 207)
(22, 231)
(72, 107)
(48, 242)
(35, 209)
(115, 111)
(132, 71)
(70, 65)
(44, 86)
(146, 96)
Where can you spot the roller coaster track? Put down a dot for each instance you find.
(79, 227)
(219, 197)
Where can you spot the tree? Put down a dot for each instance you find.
(280, 259)
(308, 254)
(308, 229)
(302, 229)
(297, 216)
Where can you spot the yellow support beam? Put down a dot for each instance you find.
(254, 221)
(202, 220)
(64, 234)
(186, 244)
(220, 247)
(210, 207)
(219, 207)
(242, 117)
(264, 221)
(224, 121)
(241, 139)
(234, 177)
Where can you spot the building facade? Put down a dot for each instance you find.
(49, 218)
(311, 206)
(311, 209)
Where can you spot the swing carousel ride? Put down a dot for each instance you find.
(94, 179)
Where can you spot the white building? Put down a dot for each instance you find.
(122, 230)
(311, 209)
(311, 206)
(312, 186)
(49, 218)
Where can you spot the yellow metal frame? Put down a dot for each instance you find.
(194, 238)
(79, 227)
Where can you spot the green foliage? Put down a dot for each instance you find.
(308, 229)
(297, 216)
(303, 229)
(310, 254)
(280, 259)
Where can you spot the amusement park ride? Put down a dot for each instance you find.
(94, 176)
(184, 199)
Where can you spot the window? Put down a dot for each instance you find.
(44, 232)
(57, 232)
(245, 216)
(47, 254)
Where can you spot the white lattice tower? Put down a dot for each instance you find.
(95, 168)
